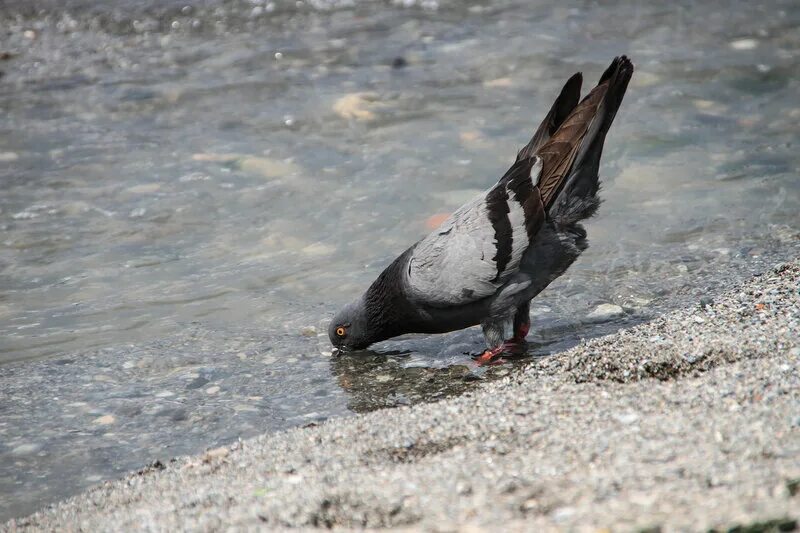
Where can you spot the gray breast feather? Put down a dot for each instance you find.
(455, 264)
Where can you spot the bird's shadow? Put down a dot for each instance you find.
(425, 368)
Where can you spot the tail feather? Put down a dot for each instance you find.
(562, 107)
(583, 178)
(571, 157)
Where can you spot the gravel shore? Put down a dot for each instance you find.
(688, 422)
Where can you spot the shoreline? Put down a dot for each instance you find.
(689, 421)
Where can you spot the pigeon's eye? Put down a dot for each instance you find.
(340, 331)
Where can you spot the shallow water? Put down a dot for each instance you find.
(189, 194)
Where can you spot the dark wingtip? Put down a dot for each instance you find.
(567, 100)
(564, 103)
(619, 80)
(620, 65)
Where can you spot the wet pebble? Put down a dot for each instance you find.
(744, 44)
(7, 157)
(105, 420)
(498, 83)
(26, 449)
(197, 383)
(308, 331)
(605, 312)
(355, 106)
(626, 418)
(212, 390)
(145, 188)
(706, 301)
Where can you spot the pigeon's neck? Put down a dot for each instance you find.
(386, 305)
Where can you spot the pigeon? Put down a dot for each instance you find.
(485, 263)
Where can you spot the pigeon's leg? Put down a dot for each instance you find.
(522, 323)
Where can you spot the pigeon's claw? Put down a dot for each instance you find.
(492, 356)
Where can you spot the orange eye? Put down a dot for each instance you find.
(340, 331)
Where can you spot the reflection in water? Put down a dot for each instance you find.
(404, 374)
(374, 381)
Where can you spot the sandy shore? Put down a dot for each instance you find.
(691, 421)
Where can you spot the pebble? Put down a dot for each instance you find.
(706, 301)
(216, 453)
(7, 157)
(145, 188)
(212, 390)
(626, 418)
(355, 106)
(104, 420)
(605, 311)
(308, 331)
(26, 449)
(266, 167)
(498, 83)
(318, 249)
(744, 44)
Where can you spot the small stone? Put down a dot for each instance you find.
(145, 188)
(626, 418)
(212, 390)
(196, 383)
(706, 301)
(308, 331)
(29, 34)
(26, 449)
(744, 44)
(216, 453)
(318, 249)
(104, 420)
(165, 394)
(266, 167)
(499, 82)
(399, 62)
(605, 312)
(698, 319)
(384, 378)
(7, 157)
(354, 106)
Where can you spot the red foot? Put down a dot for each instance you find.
(491, 357)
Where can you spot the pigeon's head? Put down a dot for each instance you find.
(350, 328)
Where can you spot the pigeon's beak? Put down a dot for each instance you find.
(336, 352)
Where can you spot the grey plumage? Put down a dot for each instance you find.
(486, 262)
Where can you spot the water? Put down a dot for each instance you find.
(190, 193)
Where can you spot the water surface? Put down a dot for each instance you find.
(190, 192)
